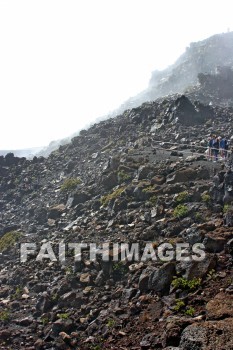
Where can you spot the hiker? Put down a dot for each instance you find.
(223, 147)
(215, 148)
(209, 148)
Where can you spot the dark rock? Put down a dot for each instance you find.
(208, 335)
(25, 322)
(144, 171)
(110, 181)
(220, 307)
(197, 269)
(228, 219)
(41, 216)
(214, 244)
(187, 175)
(160, 280)
(56, 211)
(158, 180)
(77, 199)
(144, 279)
(61, 326)
(193, 337)
(44, 303)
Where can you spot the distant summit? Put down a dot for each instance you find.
(204, 57)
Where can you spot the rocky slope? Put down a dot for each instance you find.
(141, 177)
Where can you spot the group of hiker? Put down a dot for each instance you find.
(217, 148)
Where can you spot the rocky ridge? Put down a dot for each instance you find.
(202, 57)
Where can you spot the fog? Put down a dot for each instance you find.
(65, 64)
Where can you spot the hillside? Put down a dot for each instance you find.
(140, 178)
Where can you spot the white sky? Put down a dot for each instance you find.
(64, 63)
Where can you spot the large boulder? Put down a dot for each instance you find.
(78, 198)
(144, 171)
(221, 306)
(160, 280)
(109, 181)
(157, 279)
(56, 211)
(186, 113)
(187, 175)
(196, 269)
(208, 336)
